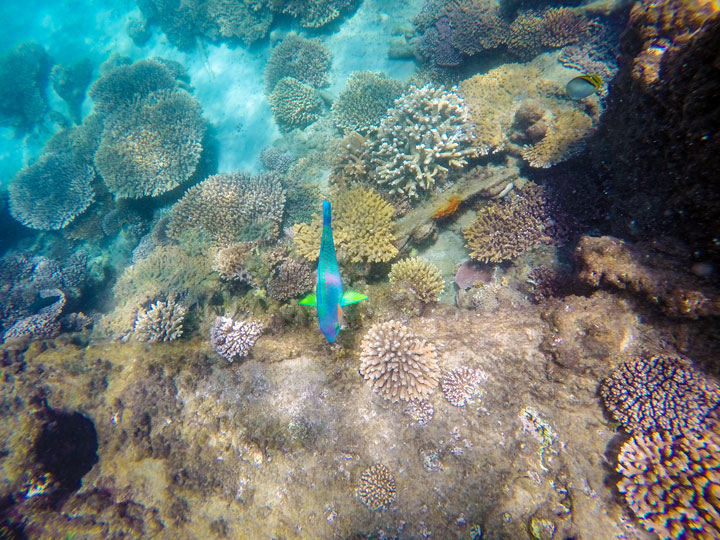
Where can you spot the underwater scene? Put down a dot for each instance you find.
(360, 269)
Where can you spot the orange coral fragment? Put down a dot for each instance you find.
(448, 208)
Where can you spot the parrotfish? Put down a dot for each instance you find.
(328, 297)
(583, 86)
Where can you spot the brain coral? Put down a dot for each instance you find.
(295, 104)
(376, 487)
(234, 339)
(417, 279)
(505, 229)
(152, 145)
(398, 364)
(365, 100)
(231, 208)
(306, 60)
(673, 484)
(362, 228)
(424, 136)
(161, 322)
(51, 192)
(659, 393)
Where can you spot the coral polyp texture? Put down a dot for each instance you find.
(659, 393)
(362, 228)
(461, 384)
(367, 97)
(531, 32)
(398, 364)
(504, 230)
(52, 192)
(672, 484)
(234, 339)
(376, 488)
(417, 279)
(421, 410)
(230, 208)
(162, 321)
(305, 60)
(152, 145)
(422, 140)
(295, 104)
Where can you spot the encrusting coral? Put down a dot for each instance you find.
(367, 97)
(230, 208)
(234, 339)
(152, 145)
(673, 484)
(162, 321)
(376, 488)
(659, 393)
(417, 279)
(398, 364)
(362, 228)
(294, 104)
(51, 192)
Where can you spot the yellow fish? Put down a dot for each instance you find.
(583, 86)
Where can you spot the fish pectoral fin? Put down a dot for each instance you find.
(309, 301)
(352, 297)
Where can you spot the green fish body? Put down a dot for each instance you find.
(328, 297)
(583, 86)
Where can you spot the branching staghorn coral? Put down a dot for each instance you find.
(162, 321)
(416, 280)
(398, 364)
(294, 104)
(362, 229)
(230, 208)
(152, 145)
(51, 192)
(367, 97)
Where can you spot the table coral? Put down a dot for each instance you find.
(44, 323)
(673, 485)
(162, 321)
(659, 393)
(234, 339)
(376, 487)
(314, 14)
(152, 145)
(362, 229)
(306, 60)
(398, 364)
(367, 97)
(295, 104)
(52, 192)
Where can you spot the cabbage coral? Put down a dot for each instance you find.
(51, 192)
(152, 145)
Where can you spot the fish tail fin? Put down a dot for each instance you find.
(327, 214)
(352, 297)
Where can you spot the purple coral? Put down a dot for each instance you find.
(234, 339)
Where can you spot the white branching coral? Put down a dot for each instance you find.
(398, 364)
(161, 322)
(425, 135)
(234, 339)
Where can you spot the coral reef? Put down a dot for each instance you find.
(531, 31)
(367, 97)
(24, 73)
(416, 280)
(461, 384)
(645, 270)
(305, 60)
(398, 364)
(70, 83)
(234, 339)
(420, 410)
(231, 262)
(275, 160)
(230, 208)
(376, 488)
(44, 323)
(161, 322)
(671, 484)
(505, 229)
(290, 279)
(514, 108)
(423, 137)
(51, 192)
(152, 145)
(659, 393)
(546, 283)
(313, 14)
(362, 229)
(294, 104)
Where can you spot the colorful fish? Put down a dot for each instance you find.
(328, 297)
(583, 86)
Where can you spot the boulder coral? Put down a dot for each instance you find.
(152, 145)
